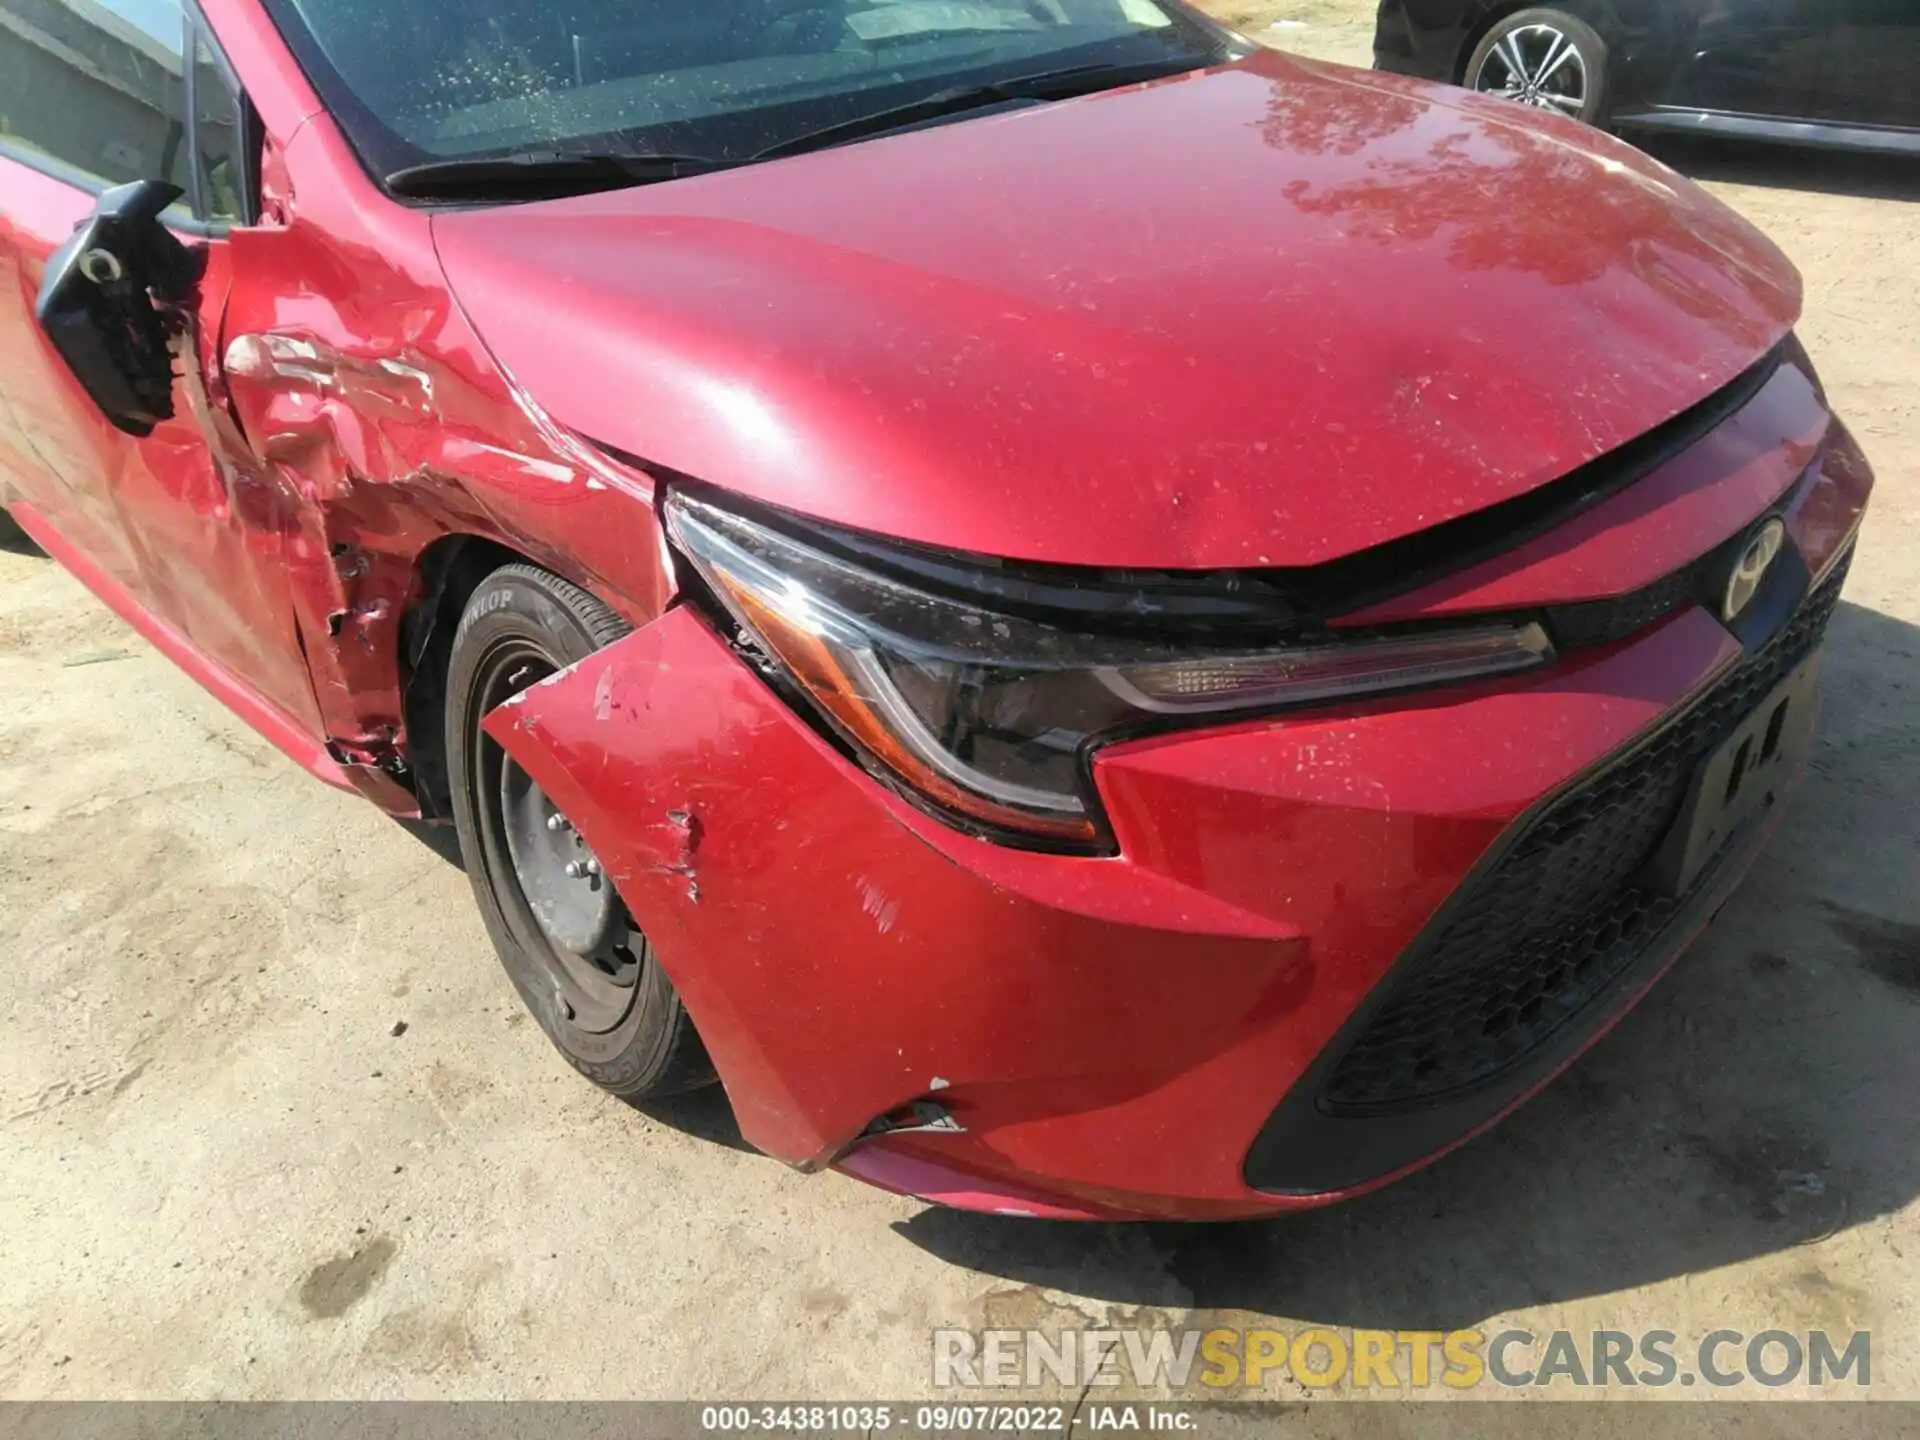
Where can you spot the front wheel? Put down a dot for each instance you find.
(1544, 58)
(564, 935)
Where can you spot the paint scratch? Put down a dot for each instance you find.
(874, 901)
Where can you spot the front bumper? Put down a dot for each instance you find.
(1147, 1035)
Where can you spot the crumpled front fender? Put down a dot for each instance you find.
(842, 954)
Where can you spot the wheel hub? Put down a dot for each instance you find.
(571, 900)
(567, 918)
(1536, 65)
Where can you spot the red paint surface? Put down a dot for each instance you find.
(1267, 315)
(1701, 497)
(843, 955)
(274, 724)
(904, 1167)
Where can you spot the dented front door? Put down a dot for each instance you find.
(175, 520)
(200, 541)
(215, 527)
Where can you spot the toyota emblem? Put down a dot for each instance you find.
(1751, 568)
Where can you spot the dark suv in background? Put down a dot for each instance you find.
(1838, 73)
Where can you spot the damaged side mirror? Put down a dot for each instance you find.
(113, 298)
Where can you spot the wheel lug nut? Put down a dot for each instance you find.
(576, 869)
(557, 821)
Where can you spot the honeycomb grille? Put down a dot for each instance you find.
(1601, 622)
(1536, 939)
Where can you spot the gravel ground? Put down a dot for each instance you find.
(222, 1174)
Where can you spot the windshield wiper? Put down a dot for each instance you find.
(551, 172)
(545, 172)
(1046, 85)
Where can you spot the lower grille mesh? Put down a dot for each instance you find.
(1536, 939)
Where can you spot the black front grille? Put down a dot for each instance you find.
(1537, 938)
(1601, 622)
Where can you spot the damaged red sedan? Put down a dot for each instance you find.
(1097, 621)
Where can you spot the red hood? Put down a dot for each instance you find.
(1269, 314)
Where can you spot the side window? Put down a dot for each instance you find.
(97, 87)
(224, 137)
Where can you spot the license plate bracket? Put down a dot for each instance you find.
(1743, 778)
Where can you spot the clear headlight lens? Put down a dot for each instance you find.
(988, 717)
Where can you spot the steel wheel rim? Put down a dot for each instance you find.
(1537, 65)
(585, 951)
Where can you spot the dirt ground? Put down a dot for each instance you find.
(222, 1175)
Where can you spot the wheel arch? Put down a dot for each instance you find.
(445, 574)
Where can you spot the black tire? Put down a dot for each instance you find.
(1510, 59)
(607, 1006)
(9, 528)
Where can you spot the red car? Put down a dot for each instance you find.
(1098, 621)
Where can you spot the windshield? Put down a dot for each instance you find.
(414, 81)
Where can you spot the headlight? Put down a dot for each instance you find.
(988, 718)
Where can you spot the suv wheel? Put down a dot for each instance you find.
(1544, 58)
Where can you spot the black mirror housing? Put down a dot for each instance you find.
(111, 299)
